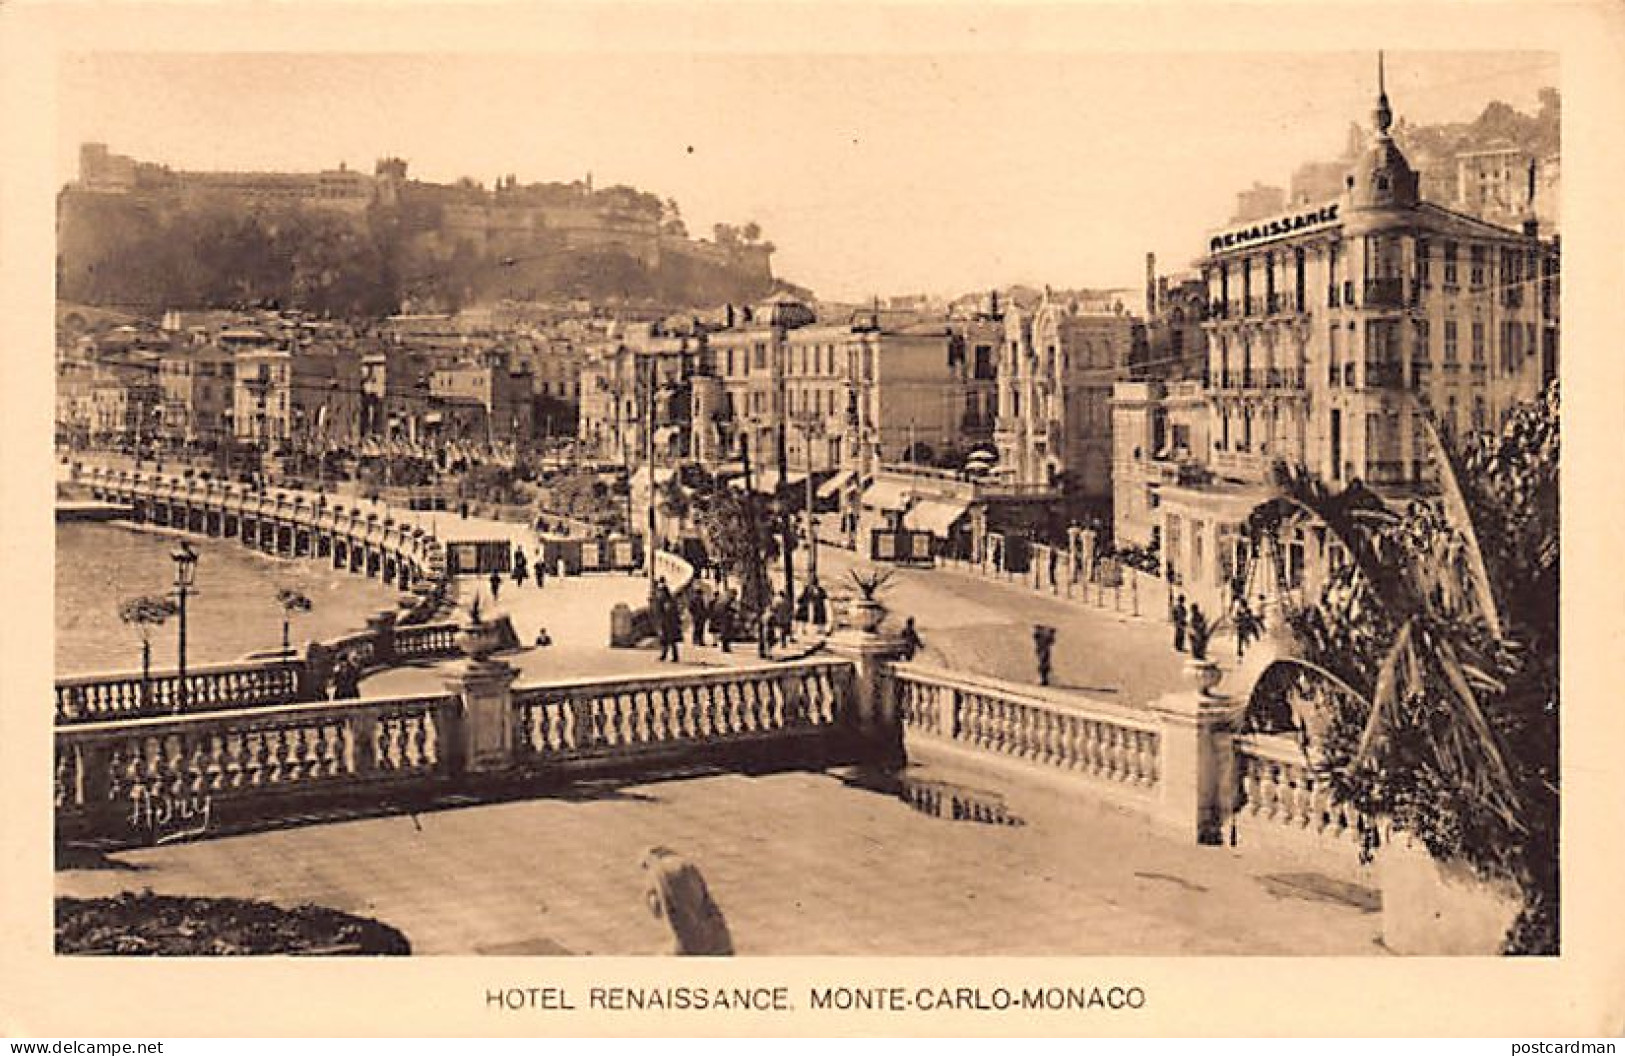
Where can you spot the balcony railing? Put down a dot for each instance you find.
(1385, 293)
(1383, 375)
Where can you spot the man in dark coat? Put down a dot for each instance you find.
(663, 613)
(1043, 650)
(723, 618)
(672, 623)
(1179, 623)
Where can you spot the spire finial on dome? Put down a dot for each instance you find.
(1382, 117)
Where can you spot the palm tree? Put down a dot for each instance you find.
(292, 602)
(1433, 655)
(144, 613)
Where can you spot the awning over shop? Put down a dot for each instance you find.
(886, 495)
(834, 485)
(936, 516)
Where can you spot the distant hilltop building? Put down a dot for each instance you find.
(521, 235)
(103, 172)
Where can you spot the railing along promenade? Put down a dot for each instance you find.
(276, 522)
(132, 781)
(293, 527)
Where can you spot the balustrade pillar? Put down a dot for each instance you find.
(316, 671)
(1197, 771)
(871, 715)
(479, 733)
(382, 626)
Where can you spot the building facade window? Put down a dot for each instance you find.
(1478, 342)
(1450, 341)
(1475, 274)
(1450, 264)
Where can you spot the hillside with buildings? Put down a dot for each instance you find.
(345, 243)
(1502, 166)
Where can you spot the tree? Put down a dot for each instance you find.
(292, 603)
(740, 537)
(1433, 652)
(144, 613)
(751, 232)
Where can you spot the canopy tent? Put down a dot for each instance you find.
(886, 495)
(834, 485)
(936, 516)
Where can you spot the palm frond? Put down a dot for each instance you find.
(1460, 517)
(1386, 694)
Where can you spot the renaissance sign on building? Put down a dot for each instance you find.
(1276, 227)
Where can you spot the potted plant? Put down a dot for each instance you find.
(479, 637)
(865, 612)
(1203, 671)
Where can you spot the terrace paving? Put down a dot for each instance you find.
(800, 863)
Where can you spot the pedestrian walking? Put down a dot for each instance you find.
(724, 617)
(783, 616)
(817, 600)
(1179, 614)
(496, 584)
(541, 572)
(1043, 650)
(1244, 626)
(673, 627)
(911, 639)
(699, 606)
(667, 620)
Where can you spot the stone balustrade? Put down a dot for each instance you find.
(426, 641)
(112, 779)
(122, 781)
(571, 720)
(1074, 735)
(210, 687)
(1283, 803)
(1178, 759)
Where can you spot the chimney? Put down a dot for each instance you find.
(1150, 285)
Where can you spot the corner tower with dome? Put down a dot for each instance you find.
(1332, 331)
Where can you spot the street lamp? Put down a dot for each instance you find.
(185, 559)
(812, 428)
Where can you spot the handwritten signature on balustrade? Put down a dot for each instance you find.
(166, 818)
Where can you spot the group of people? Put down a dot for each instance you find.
(716, 610)
(1192, 628)
(520, 569)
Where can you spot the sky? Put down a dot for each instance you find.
(873, 174)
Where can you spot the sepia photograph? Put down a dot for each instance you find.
(677, 563)
(949, 505)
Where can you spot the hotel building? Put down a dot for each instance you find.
(1332, 332)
